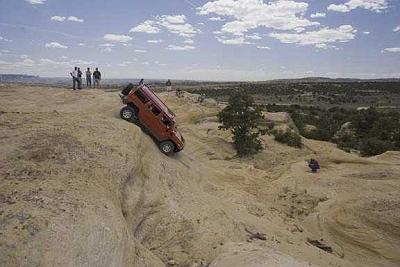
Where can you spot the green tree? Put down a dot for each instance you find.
(241, 116)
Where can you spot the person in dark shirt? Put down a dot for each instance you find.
(79, 78)
(168, 84)
(96, 78)
(314, 165)
(88, 78)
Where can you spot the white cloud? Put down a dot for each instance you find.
(70, 18)
(264, 47)
(373, 5)
(46, 61)
(145, 63)
(81, 62)
(125, 63)
(28, 62)
(58, 18)
(338, 8)
(140, 51)
(23, 56)
(178, 19)
(180, 48)
(319, 37)
(148, 26)
(251, 14)
(36, 2)
(155, 41)
(76, 62)
(396, 29)
(160, 64)
(188, 41)
(366, 33)
(5, 39)
(107, 45)
(55, 45)
(318, 15)
(254, 36)
(216, 19)
(175, 24)
(392, 50)
(238, 40)
(107, 49)
(82, 44)
(299, 29)
(75, 19)
(325, 46)
(117, 38)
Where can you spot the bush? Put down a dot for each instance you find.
(374, 146)
(347, 143)
(288, 137)
(318, 134)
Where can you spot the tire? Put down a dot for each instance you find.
(167, 147)
(128, 114)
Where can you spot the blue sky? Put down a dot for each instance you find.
(202, 40)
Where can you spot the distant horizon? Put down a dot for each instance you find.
(161, 79)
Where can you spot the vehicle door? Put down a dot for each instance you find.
(165, 126)
(143, 103)
(151, 118)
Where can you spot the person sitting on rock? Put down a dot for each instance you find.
(314, 166)
(201, 98)
(179, 93)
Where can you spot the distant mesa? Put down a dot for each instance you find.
(18, 78)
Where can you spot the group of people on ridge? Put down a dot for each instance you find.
(76, 75)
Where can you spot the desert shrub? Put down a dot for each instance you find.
(374, 146)
(242, 116)
(347, 143)
(267, 128)
(318, 134)
(288, 137)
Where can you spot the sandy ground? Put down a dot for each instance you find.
(81, 187)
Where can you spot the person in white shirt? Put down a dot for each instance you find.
(74, 75)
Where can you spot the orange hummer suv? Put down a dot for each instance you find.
(143, 107)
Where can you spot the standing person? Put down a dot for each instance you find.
(168, 84)
(79, 79)
(97, 78)
(88, 78)
(74, 75)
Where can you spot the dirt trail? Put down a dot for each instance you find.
(81, 187)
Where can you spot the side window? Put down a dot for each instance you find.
(141, 96)
(166, 121)
(154, 110)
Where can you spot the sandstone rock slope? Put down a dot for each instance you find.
(81, 187)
